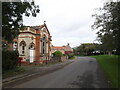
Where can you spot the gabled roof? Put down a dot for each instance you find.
(37, 28)
(44, 25)
(40, 27)
(58, 47)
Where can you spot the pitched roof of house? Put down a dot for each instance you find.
(58, 47)
(38, 27)
(66, 48)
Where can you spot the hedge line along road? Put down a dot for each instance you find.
(84, 72)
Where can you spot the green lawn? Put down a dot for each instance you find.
(110, 66)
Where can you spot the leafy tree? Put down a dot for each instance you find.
(85, 49)
(12, 22)
(12, 13)
(107, 21)
(10, 60)
(58, 53)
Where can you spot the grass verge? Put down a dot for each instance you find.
(72, 58)
(110, 66)
(13, 72)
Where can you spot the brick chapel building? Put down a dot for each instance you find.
(34, 44)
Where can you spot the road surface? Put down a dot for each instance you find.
(84, 72)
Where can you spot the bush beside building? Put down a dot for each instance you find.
(10, 60)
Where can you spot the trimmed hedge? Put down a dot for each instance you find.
(57, 53)
(10, 60)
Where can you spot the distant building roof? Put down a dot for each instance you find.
(58, 47)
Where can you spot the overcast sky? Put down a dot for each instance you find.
(69, 21)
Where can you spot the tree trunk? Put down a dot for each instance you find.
(109, 53)
(104, 53)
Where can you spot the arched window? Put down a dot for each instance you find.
(23, 44)
(43, 45)
(14, 45)
(32, 46)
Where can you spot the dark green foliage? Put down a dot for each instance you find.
(64, 55)
(85, 49)
(70, 55)
(12, 13)
(4, 46)
(57, 53)
(10, 60)
(108, 24)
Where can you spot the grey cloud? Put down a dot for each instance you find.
(69, 21)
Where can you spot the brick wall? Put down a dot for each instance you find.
(63, 58)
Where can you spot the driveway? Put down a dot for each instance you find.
(84, 72)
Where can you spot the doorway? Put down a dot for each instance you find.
(32, 49)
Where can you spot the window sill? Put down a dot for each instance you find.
(22, 55)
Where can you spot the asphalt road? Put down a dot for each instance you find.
(85, 72)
